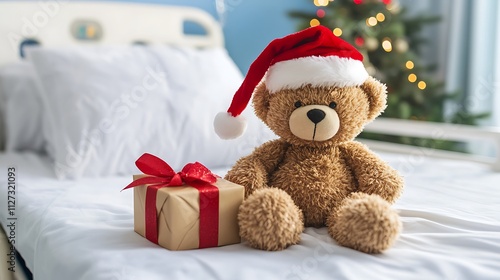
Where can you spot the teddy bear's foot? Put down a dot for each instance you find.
(366, 223)
(270, 220)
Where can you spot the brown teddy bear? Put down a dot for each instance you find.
(312, 90)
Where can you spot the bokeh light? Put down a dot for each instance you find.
(321, 3)
(422, 85)
(320, 13)
(314, 22)
(371, 21)
(410, 64)
(387, 45)
(337, 32)
(380, 17)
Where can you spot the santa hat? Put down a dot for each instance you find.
(312, 56)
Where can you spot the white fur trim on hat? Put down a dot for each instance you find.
(229, 127)
(315, 70)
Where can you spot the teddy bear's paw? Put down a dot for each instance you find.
(270, 220)
(366, 223)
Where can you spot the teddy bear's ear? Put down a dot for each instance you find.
(261, 101)
(377, 96)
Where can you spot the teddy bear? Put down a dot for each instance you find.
(312, 90)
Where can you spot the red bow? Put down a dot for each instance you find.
(194, 174)
(162, 174)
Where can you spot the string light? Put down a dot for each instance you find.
(387, 45)
(320, 13)
(380, 17)
(401, 45)
(410, 65)
(314, 22)
(422, 85)
(394, 8)
(337, 32)
(321, 3)
(371, 43)
(412, 78)
(371, 21)
(359, 41)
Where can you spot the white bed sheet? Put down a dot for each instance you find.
(84, 230)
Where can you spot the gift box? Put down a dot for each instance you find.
(186, 210)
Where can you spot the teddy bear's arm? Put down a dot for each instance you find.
(253, 171)
(373, 175)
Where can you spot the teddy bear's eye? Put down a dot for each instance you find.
(332, 105)
(298, 104)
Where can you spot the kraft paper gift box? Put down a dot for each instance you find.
(178, 211)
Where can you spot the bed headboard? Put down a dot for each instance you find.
(63, 23)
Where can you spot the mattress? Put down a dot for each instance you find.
(84, 230)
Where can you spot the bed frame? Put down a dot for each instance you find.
(437, 131)
(64, 23)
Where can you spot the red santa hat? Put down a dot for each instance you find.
(312, 56)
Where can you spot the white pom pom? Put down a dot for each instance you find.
(229, 127)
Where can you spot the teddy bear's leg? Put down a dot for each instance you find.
(270, 220)
(364, 222)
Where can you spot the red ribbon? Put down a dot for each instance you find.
(194, 174)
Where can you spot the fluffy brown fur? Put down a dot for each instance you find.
(364, 222)
(280, 220)
(337, 182)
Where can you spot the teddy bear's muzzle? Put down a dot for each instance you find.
(314, 122)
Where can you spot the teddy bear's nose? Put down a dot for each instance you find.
(316, 115)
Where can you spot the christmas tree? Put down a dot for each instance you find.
(391, 44)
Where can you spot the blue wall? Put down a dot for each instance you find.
(249, 24)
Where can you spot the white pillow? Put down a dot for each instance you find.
(105, 106)
(204, 82)
(21, 107)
